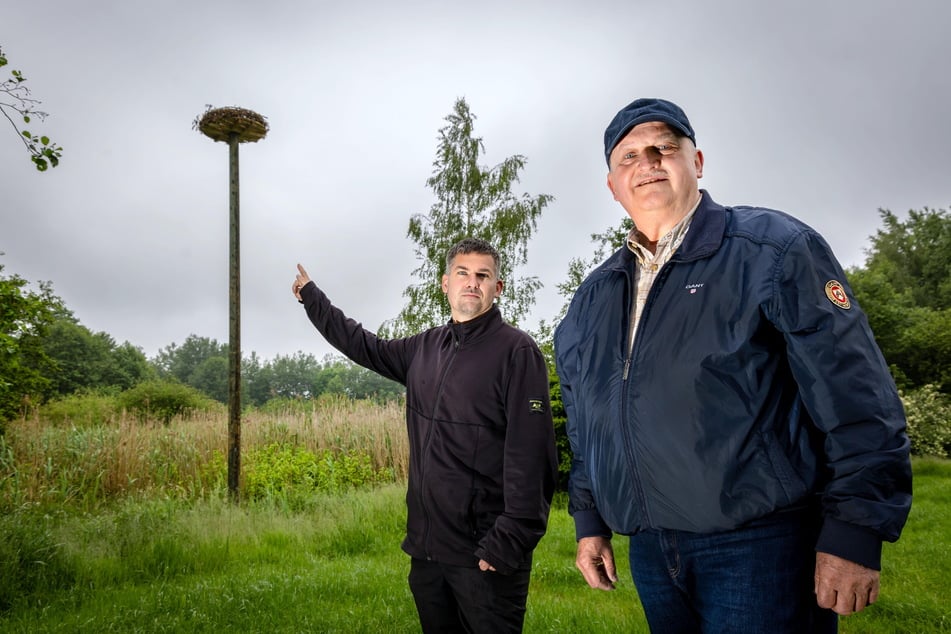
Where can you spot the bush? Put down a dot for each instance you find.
(164, 400)
(929, 421)
(560, 420)
(81, 409)
(288, 470)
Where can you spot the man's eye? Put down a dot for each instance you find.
(629, 156)
(665, 149)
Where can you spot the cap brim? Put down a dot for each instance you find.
(670, 121)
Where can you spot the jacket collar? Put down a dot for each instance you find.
(702, 240)
(474, 329)
(706, 231)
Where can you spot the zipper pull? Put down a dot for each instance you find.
(627, 367)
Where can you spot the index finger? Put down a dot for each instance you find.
(301, 269)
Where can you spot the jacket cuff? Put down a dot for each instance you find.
(588, 523)
(500, 567)
(851, 542)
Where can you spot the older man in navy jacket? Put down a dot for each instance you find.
(727, 405)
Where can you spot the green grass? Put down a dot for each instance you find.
(334, 565)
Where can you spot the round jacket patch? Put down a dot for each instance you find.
(836, 294)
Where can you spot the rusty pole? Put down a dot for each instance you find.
(235, 126)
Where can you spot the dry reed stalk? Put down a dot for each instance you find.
(59, 463)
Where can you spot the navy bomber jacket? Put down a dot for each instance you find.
(754, 385)
(482, 466)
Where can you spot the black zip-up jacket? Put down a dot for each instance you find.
(483, 465)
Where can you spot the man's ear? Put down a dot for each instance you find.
(499, 285)
(611, 186)
(445, 283)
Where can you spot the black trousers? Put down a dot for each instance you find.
(457, 599)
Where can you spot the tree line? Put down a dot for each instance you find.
(45, 353)
(904, 286)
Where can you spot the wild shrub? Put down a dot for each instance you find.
(81, 409)
(279, 469)
(928, 412)
(560, 420)
(337, 472)
(165, 400)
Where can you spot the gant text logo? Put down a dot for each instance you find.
(693, 288)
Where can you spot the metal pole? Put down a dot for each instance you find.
(234, 356)
(234, 125)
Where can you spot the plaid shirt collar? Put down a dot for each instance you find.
(638, 243)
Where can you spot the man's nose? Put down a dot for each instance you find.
(648, 158)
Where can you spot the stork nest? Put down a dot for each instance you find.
(221, 123)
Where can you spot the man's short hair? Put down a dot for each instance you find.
(472, 245)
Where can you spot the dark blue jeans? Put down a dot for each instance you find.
(756, 579)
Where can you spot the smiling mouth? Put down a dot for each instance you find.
(650, 181)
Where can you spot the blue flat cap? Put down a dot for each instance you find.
(643, 111)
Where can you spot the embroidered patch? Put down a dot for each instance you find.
(836, 294)
(536, 406)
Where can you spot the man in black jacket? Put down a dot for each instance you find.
(482, 451)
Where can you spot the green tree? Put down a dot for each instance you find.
(286, 377)
(17, 105)
(25, 317)
(254, 380)
(915, 255)
(471, 201)
(86, 360)
(181, 361)
(295, 376)
(341, 376)
(905, 289)
(129, 366)
(606, 243)
(211, 378)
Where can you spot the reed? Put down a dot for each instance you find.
(90, 462)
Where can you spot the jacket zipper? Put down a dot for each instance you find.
(428, 444)
(625, 384)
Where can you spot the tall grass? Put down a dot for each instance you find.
(86, 463)
(336, 566)
(120, 526)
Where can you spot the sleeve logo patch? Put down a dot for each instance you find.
(536, 406)
(836, 294)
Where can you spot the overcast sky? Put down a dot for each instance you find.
(826, 109)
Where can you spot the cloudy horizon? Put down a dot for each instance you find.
(828, 111)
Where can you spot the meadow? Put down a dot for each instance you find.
(123, 525)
